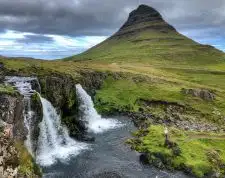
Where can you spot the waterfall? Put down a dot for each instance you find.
(54, 141)
(95, 122)
(23, 84)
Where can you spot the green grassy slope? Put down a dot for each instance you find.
(148, 39)
(154, 48)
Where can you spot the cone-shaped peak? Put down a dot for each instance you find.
(146, 10)
(144, 18)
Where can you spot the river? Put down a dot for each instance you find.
(63, 157)
(108, 157)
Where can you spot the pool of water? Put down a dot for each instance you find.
(108, 157)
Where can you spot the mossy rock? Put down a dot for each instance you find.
(27, 165)
(7, 89)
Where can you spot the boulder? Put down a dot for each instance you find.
(201, 93)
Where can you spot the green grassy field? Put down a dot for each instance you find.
(201, 153)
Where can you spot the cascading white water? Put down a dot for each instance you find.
(95, 122)
(54, 141)
(23, 84)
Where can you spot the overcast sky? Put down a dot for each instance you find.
(53, 29)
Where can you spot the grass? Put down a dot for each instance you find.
(7, 89)
(202, 153)
(153, 48)
(157, 82)
(27, 167)
(124, 95)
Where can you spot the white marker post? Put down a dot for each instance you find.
(166, 135)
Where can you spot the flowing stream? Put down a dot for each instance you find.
(61, 156)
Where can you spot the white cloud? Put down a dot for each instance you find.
(89, 41)
(10, 34)
(79, 42)
(61, 46)
(64, 41)
(6, 43)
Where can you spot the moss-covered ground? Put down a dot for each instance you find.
(200, 153)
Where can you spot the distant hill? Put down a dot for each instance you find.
(146, 37)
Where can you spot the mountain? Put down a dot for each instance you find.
(142, 19)
(146, 37)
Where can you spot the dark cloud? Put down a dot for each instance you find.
(103, 17)
(35, 39)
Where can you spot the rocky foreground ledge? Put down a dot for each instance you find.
(15, 160)
(9, 161)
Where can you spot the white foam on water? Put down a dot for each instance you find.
(23, 84)
(54, 141)
(95, 122)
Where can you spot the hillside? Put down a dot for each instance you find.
(152, 41)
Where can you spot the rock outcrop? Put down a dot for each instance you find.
(171, 114)
(37, 116)
(9, 161)
(141, 19)
(201, 93)
(11, 112)
(15, 160)
(92, 81)
(61, 92)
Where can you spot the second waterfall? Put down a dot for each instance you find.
(95, 123)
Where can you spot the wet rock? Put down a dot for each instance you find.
(108, 175)
(201, 93)
(36, 86)
(37, 116)
(86, 138)
(61, 92)
(144, 159)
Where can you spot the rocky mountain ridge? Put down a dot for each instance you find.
(144, 18)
